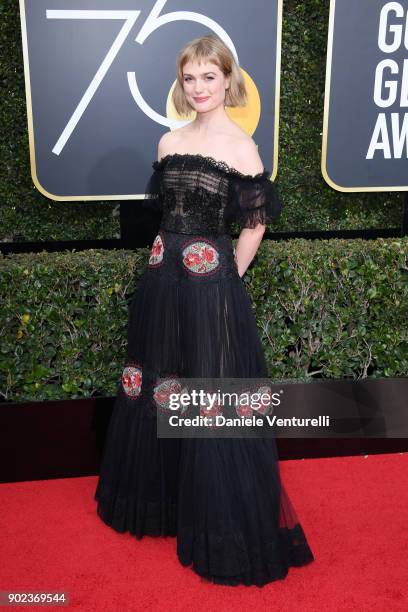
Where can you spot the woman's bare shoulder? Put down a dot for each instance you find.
(170, 141)
(235, 146)
(246, 155)
(164, 144)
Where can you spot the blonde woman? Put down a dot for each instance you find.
(191, 317)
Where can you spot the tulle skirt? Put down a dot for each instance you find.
(222, 498)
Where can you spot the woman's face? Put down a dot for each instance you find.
(204, 85)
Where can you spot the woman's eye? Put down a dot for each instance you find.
(209, 78)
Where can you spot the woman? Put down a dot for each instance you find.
(191, 317)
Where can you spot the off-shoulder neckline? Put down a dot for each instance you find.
(216, 163)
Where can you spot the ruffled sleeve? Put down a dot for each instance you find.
(153, 192)
(254, 199)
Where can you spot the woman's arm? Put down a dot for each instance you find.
(247, 246)
(249, 239)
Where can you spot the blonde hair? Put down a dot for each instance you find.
(209, 48)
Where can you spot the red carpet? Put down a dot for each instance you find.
(354, 511)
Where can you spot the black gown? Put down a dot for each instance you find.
(191, 316)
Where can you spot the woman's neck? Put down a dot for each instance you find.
(211, 121)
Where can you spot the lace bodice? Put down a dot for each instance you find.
(199, 194)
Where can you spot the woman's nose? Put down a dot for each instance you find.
(198, 87)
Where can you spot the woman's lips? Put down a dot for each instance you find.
(201, 99)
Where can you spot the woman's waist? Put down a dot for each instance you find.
(208, 224)
(200, 253)
(181, 237)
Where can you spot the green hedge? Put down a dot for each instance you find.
(325, 309)
(310, 204)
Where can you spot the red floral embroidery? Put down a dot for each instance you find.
(157, 251)
(162, 392)
(132, 380)
(265, 400)
(192, 259)
(262, 405)
(210, 413)
(243, 409)
(208, 254)
(200, 257)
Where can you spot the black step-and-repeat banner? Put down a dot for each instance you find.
(99, 77)
(365, 131)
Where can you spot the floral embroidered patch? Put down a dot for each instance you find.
(265, 400)
(262, 402)
(162, 392)
(157, 251)
(211, 412)
(132, 380)
(200, 257)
